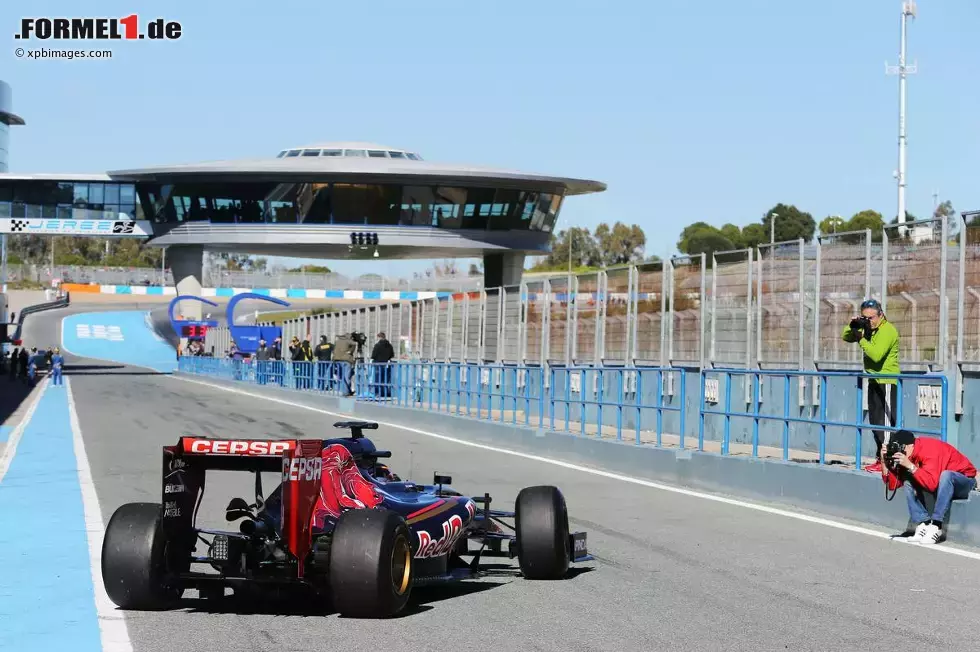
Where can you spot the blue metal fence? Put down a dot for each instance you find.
(819, 418)
(648, 404)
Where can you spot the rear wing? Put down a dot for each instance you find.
(297, 460)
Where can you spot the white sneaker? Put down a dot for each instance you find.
(932, 535)
(920, 533)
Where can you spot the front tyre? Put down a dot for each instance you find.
(371, 569)
(541, 522)
(134, 560)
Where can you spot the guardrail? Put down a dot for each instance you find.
(648, 405)
(63, 302)
(821, 403)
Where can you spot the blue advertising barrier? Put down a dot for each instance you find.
(247, 338)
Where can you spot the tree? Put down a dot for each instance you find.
(791, 223)
(733, 234)
(866, 219)
(585, 251)
(475, 270)
(701, 237)
(946, 210)
(754, 235)
(832, 224)
(690, 230)
(310, 269)
(621, 244)
(707, 242)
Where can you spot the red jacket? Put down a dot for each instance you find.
(932, 456)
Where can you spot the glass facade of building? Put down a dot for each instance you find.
(80, 200)
(448, 207)
(4, 145)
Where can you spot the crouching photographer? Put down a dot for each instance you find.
(934, 474)
(878, 339)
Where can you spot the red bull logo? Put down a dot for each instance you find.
(451, 532)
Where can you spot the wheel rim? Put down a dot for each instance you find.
(401, 565)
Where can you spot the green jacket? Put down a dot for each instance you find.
(880, 352)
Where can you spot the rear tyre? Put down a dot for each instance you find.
(134, 560)
(541, 522)
(371, 569)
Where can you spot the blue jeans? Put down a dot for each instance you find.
(952, 486)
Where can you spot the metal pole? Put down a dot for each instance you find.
(3, 262)
(908, 9)
(943, 305)
(802, 325)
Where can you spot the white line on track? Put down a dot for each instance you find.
(112, 622)
(816, 520)
(11, 447)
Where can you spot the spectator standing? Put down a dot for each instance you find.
(57, 361)
(381, 355)
(878, 339)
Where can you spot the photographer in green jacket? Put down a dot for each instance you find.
(878, 339)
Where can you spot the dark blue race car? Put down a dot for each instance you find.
(340, 525)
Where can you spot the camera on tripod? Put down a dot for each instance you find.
(860, 324)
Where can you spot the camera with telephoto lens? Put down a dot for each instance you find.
(860, 324)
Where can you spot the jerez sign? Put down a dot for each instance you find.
(97, 228)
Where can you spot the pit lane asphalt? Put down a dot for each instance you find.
(673, 572)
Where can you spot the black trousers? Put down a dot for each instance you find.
(882, 409)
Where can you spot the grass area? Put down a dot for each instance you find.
(26, 285)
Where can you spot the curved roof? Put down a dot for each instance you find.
(380, 169)
(349, 148)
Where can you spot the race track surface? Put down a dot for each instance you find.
(673, 572)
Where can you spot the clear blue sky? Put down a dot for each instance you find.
(689, 109)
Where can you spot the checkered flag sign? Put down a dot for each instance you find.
(16, 226)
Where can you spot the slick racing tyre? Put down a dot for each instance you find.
(371, 570)
(134, 560)
(541, 521)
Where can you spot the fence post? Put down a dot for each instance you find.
(701, 312)
(943, 305)
(801, 337)
(867, 263)
(712, 353)
(960, 316)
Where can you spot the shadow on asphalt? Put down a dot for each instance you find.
(107, 369)
(13, 392)
(420, 602)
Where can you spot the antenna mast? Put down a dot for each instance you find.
(902, 70)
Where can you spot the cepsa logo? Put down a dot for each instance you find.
(301, 468)
(97, 29)
(228, 447)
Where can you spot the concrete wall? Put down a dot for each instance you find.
(855, 496)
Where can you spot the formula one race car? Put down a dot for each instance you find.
(340, 525)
